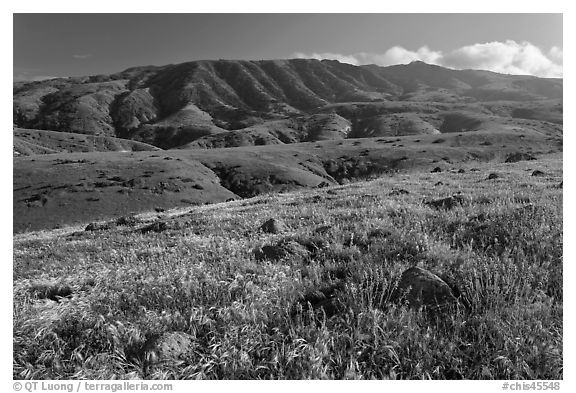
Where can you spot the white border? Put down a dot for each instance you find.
(302, 6)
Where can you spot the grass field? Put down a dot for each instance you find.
(63, 189)
(201, 292)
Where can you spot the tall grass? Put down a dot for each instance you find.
(249, 318)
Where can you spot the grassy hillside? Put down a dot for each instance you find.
(171, 106)
(201, 292)
(30, 142)
(60, 189)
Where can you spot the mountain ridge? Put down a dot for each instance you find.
(174, 105)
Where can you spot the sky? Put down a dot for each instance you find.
(57, 45)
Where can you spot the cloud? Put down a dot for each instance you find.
(400, 55)
(556, 54)
(82, 56)
(394, 55)
(509, 57)
(327, 55)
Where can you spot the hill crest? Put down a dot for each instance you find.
(174, 105)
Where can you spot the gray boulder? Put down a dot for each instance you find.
(446, 203)
(280, 250)
(172, 347)
(96, 226)
(421, 288)
(273, 226)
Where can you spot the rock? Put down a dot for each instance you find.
(38, 200)
(538, 173)
(273, 226)
(446, 203)
(323, 185)
(452, 374)
(493, 176)
(128, 221)
(421, 288)
(516, 157)
(134, 183)
(281, 250)
(172, 346)
(324, 299)
(96, 226)
(438, 184)
(461, 170)
(560, 185)
(478, 217)
(400, 191)
(322, 229)
(158, 226)
(436, 170)
(483, 200)
(51, 290)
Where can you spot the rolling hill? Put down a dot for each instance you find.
(60, 189)
(235, 103)
(208, 292)
(29, 142)
(366, 173)
(210, 131)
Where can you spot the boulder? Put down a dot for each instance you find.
(446, 203)
(51, 290)
(281, 250)
(273, 226)
(96, 226)
(538, 173)
(421, 288)
(172, 346)
(128, 221)
(324, 299)
(493, 176)
(399, 191)
(158, 226)
(516, 157)
(322, 229)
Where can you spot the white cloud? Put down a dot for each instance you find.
(400, 55)
(508, 57)
(556, 54)
(394, 55)
(327, 55)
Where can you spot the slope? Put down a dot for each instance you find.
(171, 106)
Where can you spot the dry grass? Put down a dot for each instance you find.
(247, 317)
